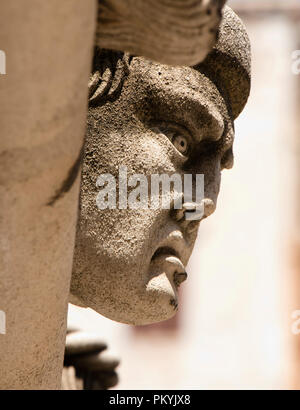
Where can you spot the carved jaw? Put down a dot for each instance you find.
(76, 300)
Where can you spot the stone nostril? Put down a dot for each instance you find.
(177, 214)
(179, 278)
(209, 207)
(194, 211)
(198, 211)
(177, 209)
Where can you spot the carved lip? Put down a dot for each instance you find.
(174, 244)
(165, 250)
(172, 258)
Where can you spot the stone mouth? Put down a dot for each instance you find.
(170, 259)
(165, 250)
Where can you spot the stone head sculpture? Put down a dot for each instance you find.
(153, 119)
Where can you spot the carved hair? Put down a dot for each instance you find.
(228, 66)
(109, 71)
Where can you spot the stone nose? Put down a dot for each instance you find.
(209, 207)
(193, 211)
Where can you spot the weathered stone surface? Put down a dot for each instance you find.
(43, 101)
(126, 260)
(179, 32)
(42, 120)
(229, 63)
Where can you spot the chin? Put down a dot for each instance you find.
(157, 305)
(136, 294)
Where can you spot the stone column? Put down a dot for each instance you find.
(43, 97)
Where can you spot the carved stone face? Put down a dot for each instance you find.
(128, 263)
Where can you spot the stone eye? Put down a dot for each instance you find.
(175, 135)
(180, 143)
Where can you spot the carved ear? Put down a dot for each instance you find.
(176, 32)
(110, 68)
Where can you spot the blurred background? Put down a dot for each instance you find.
(234, 326)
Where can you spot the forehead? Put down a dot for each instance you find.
(183, 92)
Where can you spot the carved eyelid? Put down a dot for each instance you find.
(212, 143)
(165, 126)
(181, 130)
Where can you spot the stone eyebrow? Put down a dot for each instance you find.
(193, 111)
